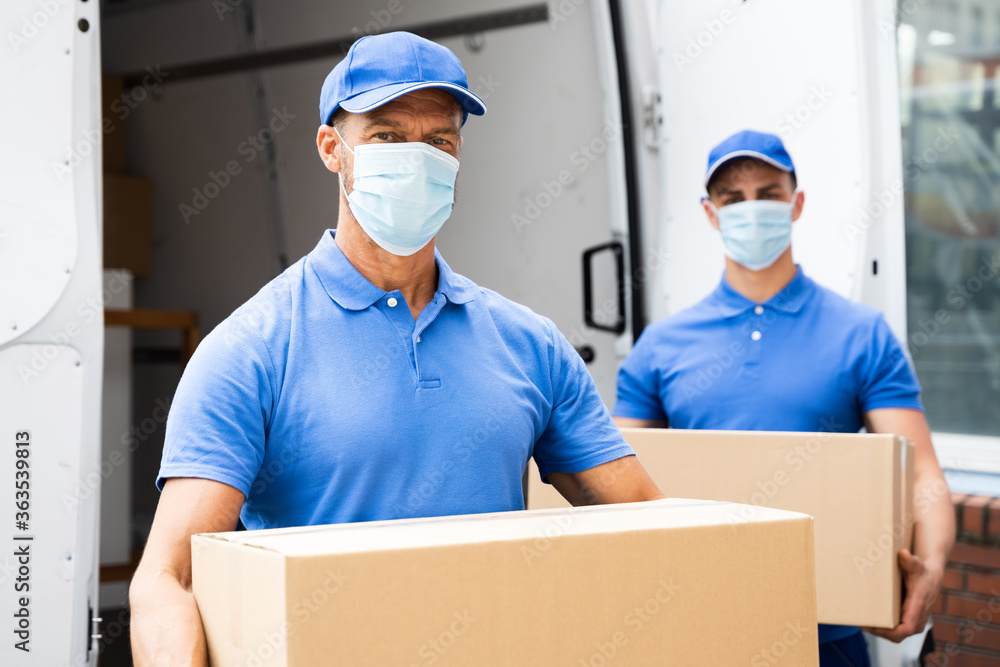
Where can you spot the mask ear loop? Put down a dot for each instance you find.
(340, 175)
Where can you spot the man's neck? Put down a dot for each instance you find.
(759, 286)
(415, 276)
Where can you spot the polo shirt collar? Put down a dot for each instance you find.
(353, 291)
(790, 299)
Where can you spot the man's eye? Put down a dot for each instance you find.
(383, 136)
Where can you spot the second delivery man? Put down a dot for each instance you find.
(805, 359)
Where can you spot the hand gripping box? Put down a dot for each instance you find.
(858, 487)
(668, 582)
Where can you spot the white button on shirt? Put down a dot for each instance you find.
(392, 302)
(759, 310)
(755, 335)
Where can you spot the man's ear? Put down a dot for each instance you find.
(328, 144)
(713, 219)
(799, 203)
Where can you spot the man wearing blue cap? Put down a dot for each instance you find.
(369, 381)
(771, 350)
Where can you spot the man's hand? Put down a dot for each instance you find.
(923, 584)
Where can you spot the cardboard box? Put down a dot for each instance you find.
(128, 223)
(665, 582)
(113, 111)
(857, 486)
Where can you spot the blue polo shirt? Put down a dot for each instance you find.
(323, 401)
(805, 360)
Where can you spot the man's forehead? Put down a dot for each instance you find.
(426, 103)
(746, 172)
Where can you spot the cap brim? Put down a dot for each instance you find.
(738, 154)
(372, 99)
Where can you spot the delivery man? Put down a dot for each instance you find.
(370, 381)
(800, 358)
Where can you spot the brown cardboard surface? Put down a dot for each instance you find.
(128, 222)
(665, 582)
(857, 486)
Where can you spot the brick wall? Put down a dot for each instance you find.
(967, 615)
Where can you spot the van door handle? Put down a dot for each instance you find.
(618, 327)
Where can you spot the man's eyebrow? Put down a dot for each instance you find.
(444, 130)
(381, 121)
(729, 191)
(765, 188)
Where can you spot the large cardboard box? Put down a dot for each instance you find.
(668, 582)
(128, 223)
(858, 487)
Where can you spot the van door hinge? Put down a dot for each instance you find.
(652, 117)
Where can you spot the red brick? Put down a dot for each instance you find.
(954, 580)
(950, 656)
(973, 515)
(973, 554)
(946, 630)
(983, 584)
(939, 604)
(980, 610)
(982, 636)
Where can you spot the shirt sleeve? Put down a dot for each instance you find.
(639, 384)
(218, 418)
(888, 378)
(580, 433)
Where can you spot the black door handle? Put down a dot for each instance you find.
(618, 327)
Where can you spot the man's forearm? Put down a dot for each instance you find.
(934, 528)
(166, 626)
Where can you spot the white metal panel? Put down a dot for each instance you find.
(817, 74)
(50, 374)
(37, 233)
(42, 579)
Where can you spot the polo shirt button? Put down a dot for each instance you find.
(755, 335)
(418, 339)
(759, 310)
(392, 302)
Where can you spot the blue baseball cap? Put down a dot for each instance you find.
(748, 143)
(380, 68)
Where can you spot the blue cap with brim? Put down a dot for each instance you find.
(380, 68)
(758, 145)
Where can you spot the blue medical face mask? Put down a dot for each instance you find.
(402, 193)
(755, 233)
